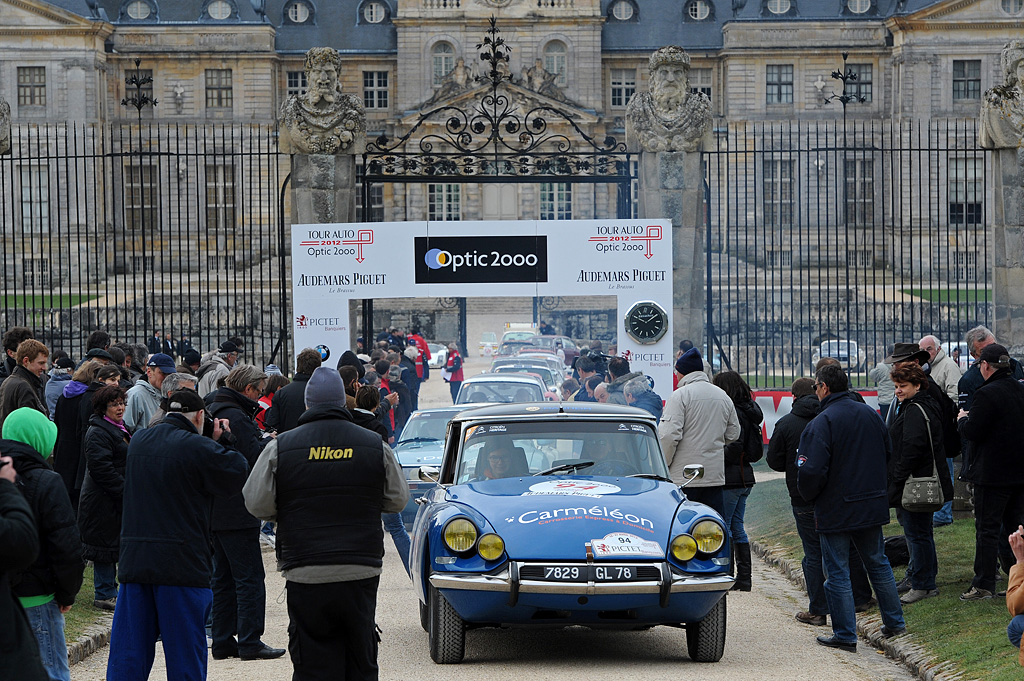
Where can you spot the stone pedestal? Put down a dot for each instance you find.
(323, 188)
(671, 186)
(1007, 250)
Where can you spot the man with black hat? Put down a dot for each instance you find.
(331, 561)
(144, 397)
(698, 421)
(172, 478)
(992, 427)
(217, 365)
(100, 355)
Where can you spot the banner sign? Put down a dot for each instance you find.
(777, 403)
(629, 259)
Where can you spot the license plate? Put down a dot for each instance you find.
(564, 573)
(588, 573)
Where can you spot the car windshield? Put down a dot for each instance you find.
(543, 342)
(518, 448)
(517, 336)
(836, 348)
(544, 373)
(499, 391)
(426, 425)
(488, 337)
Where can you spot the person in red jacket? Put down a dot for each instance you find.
(453, 368)
(423, 354)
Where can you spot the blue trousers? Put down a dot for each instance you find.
(393, 524)
(175, 613)
(734, 503)
(944, 516)
(1015, 629)
(454, 386)
(47, 624)
(239, 592)
(104, 579)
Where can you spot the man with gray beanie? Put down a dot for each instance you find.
(331, 561)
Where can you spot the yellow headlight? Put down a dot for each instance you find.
(709, 535)
(490, 547)
(460, 535)
(684, 547)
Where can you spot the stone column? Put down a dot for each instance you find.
(5, 126)
(323, 188)
(669, 126)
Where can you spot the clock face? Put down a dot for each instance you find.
(646, 322)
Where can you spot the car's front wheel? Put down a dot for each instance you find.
(447, 631)
(705, 640)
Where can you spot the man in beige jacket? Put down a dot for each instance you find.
(698, 421)
(944, 371)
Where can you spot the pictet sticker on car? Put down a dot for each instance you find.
(572, 488)
(619, 544)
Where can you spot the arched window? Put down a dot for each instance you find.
(555, 60)
(778, 6)
(139, 10)
(298, 12)
(858, 6)
(698, 9)
(374, 12)
(219, 10)
(622, 10)
(443, 58)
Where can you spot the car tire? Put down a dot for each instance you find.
(424, 616)
(705, 640)
(447, 632)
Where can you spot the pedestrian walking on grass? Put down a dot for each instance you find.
(842, 470)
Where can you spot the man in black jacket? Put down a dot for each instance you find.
(992, 428)
(48, 587)
(239, 594)
(24, 387)
(19, 546)
(11, 340)
(288, 403)
(172, 478)
(331, 561)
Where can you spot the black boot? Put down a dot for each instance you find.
(741, 554)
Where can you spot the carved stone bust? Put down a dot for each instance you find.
(668, 117)
(1002, 112)
(324, 120)
(5, 126)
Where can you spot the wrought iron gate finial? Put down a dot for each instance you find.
(139, 100)
(847, 75)
(496, 52)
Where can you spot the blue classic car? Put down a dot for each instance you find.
(551, 514)
(422, 444)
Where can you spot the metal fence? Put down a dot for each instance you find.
(869, 233)
(137, 229)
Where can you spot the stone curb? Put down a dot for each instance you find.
(95, 637)
(904, 649)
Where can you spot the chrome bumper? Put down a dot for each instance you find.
(504, 581)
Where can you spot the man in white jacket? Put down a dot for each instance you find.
(944, 371)
(698, 421)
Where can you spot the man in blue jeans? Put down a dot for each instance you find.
(841, 468)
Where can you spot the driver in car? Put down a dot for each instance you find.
(495, 460)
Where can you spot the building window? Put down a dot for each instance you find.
(860, 258)
(143, 263)
(374, 13)
(858, 6)
(779, 83)
(142, 197)
(778, 193)
(778, 258)
(220, 263)
(35, 272)
(219, 94)
(443, 57)
(778, 6)
(1013, 6)
(700, 81)
(219, 10)
(35, 198)
(622, 10)
(220, 196)
(444, 202)
(860, 192)
(555, 60)
(862, 86)
(298, 12)
(375, 89)
(31, 86)
(698, 10)
(965, 191)
(138, 10)
(555, 201)
(296, 83)
(965, 265)
(966, 79)
(623, 86)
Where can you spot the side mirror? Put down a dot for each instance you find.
(432, 474)
(691, 472)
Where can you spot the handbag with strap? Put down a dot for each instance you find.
(924, 495)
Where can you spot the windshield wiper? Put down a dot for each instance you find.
(418, 439)
(566, 467)
(651, 476)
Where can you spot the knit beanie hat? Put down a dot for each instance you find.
(29, 426)
(689, 362)
(325, 387)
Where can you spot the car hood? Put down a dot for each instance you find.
(420, 454)
(555, 516)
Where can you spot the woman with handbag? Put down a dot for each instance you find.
(916, 490)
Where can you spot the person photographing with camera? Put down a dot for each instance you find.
(173, 474)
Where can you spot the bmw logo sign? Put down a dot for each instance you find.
(325, 352)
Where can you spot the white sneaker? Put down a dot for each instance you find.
(268, 539)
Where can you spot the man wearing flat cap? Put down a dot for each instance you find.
(996, 467)
(173, 475)
(144, 397)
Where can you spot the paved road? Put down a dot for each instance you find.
(764, 641)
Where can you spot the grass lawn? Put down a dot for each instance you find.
(35, 302)
(935, 295)
(972, 635)
(83, 613)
